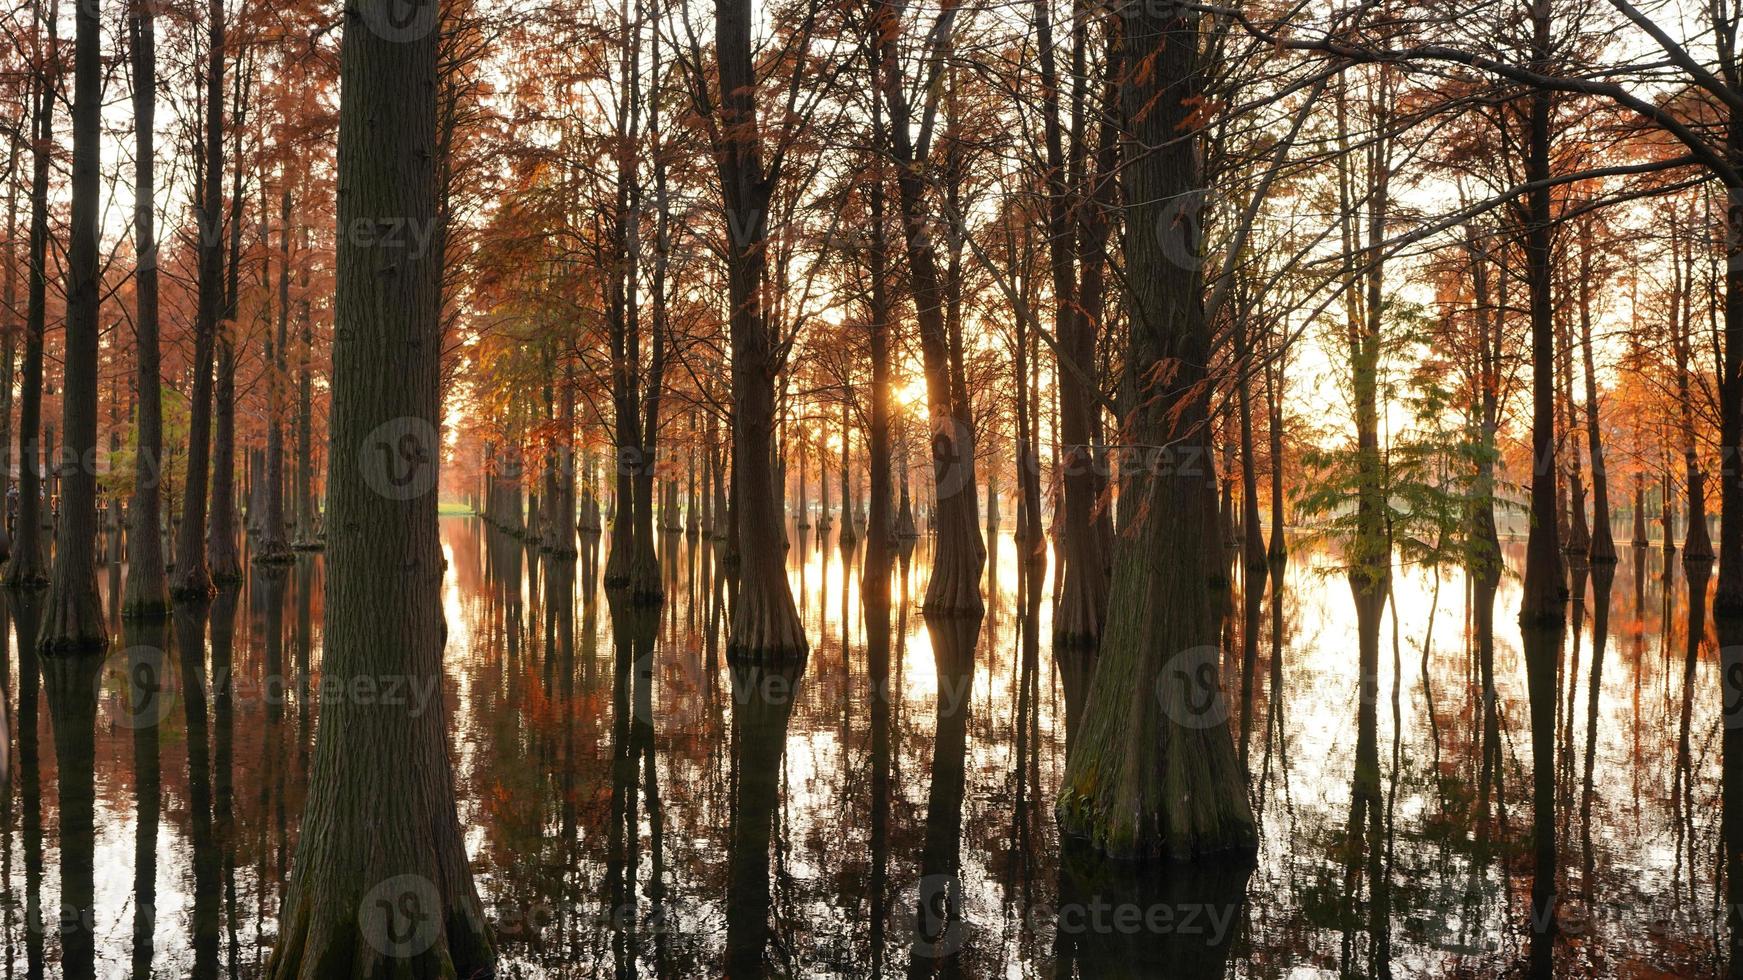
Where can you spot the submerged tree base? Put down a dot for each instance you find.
(1214, 893)
(328, 941)
(74, 625)
(145, 610)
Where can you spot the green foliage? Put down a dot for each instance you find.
(119, 483)
(1426, 472)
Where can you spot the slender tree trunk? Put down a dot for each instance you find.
(223, 561)
(273, 547)
(381, 885)
(193, 578)
(1579, 538)
(1603, 546)
(1082, 608)
(306, 535)
(27, 567)
(960, 554)
(1545, 596)
(222, 557)
(147, 593)
(849, 538)
(10, 330)
(73, 618)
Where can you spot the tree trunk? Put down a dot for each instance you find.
(1603, 544)
(307, 537)
(27, 568)
(1579, 539)
(1153, 772)
(1082, 607)
(380, 837)
(960, 553)
(765, 623)
(223, 561)
(193, 578)
(73, 619)
(10, 330)
(1545, 591)
(273, 547)
(849, 537)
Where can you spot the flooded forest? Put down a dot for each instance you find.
(847, 488)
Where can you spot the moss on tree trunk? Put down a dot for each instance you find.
(1152, 772)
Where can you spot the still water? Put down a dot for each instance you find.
(632, 806)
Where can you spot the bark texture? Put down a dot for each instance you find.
(381, 885)
(192, 578)
(765, 623)
(73, 620)
(1153, 771)
(147, 590)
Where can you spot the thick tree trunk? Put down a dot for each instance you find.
(381, 885)
(1728, 596)
(73, 619)
(765, 623)
(1153, 771)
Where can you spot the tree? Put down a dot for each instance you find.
(147, 594)
(381, 819)
(1153, 771)
(765, 623)
(73, 621)
(192, 578)
(954, 587)
(25, 567)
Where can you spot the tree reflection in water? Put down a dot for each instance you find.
(634, 805)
